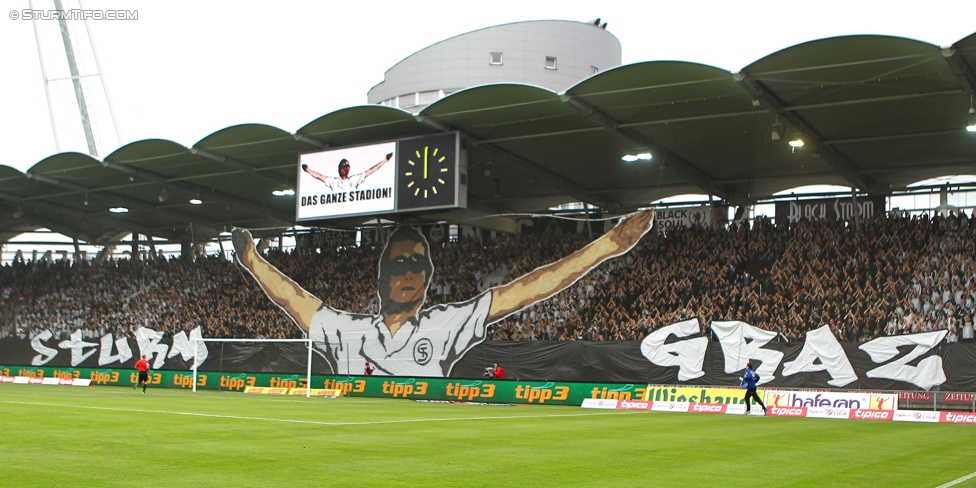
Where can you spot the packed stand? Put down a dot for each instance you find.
(897, 275)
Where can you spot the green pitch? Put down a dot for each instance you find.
(118, 437)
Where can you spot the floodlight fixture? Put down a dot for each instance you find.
(196, 201)
(972, 116)
(284, 193)
(639, 154)
(118, 210)
(796, 142)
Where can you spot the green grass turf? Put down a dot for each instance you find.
(116, 436)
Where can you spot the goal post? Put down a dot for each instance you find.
(308, 361)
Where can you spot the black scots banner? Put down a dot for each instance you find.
(837, 209)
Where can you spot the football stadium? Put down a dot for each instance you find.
(523, 262)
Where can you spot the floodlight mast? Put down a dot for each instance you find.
(89, 104)
(76, 82)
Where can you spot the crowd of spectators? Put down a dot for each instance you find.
(896, 274)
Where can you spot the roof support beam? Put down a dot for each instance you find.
(893, 98)
(933, 133)
(523, 165)
(749, 113)
(482, 220)
(56, 182)
(961, 68)
(241, 166)
(284, 217)
(832, 156)
(674, 162)
(137, 204)
(311, 141)
(78, 216)
(958, 166)
(47, 224)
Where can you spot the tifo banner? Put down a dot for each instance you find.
(325, 239)
(838, 209)
(684, 217)
(676, 354)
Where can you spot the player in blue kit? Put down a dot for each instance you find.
(748, 381)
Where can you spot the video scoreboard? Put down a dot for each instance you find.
(423, 173)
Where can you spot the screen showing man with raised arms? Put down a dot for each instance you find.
(346, 181)
(405, 339)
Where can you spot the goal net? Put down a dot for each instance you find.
(308, 361)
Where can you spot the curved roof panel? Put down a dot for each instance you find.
(876, 113)
(362, 124)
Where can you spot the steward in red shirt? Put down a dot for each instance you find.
(498, 372)
(142, 366)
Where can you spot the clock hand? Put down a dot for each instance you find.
(425, 162)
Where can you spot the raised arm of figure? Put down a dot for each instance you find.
(548, 280)
(298, 303)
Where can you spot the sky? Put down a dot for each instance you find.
(185, 69)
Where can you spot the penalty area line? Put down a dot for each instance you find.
(957, 481)
(293, 421)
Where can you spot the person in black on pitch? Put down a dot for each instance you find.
(748, 381)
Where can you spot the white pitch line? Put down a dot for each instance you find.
(314, 422)
(957, 481)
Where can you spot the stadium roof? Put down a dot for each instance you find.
(876, 113)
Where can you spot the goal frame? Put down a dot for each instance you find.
(308, 361)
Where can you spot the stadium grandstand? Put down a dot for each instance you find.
(884, 126)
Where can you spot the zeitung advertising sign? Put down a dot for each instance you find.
(836, 209)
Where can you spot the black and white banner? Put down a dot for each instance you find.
(685, 217)
(675, 354)
(837, 209)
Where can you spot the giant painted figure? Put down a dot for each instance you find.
(404, 339)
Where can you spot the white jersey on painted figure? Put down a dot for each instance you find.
(429, 347)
